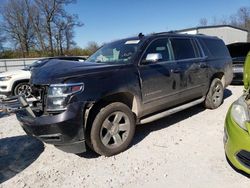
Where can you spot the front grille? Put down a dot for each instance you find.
(244, 157)
(238, 65)
(237, 75)
(40, 93)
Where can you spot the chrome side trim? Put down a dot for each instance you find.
(67, 84)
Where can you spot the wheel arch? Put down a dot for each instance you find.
(124, 97)
(219, 75)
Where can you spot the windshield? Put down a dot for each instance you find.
(116, 52)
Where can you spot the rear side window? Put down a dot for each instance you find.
(183, 48)
(215, 47)
(197, 49)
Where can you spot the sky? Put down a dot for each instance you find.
(108, 20)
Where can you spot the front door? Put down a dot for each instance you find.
(159, 81)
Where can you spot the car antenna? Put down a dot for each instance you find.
(140, 35)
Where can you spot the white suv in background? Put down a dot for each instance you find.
(16, 82)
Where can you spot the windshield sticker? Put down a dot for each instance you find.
(132, 42)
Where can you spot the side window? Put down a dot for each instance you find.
(204, 47)
(160, 46)
(183, 48)
(216, 47)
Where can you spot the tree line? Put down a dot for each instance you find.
(239, 19)
(35, 28)
(39, 28)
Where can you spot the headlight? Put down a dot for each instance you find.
(240, 112)
(5, 78)
(58, 95)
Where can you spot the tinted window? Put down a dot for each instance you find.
(159, 46)
(216, 47)
(197, 49)
(205, 49)
(183, 48)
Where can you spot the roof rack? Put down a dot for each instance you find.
(166, 32)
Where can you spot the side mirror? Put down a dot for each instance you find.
(153, 58)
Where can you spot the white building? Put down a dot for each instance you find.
(229, 34)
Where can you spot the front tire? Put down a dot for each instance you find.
(113, 129)
(215, 94)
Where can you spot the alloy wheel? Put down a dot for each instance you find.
(217, 94)
(115, 129)
(24, 89)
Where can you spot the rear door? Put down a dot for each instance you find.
(192, 67)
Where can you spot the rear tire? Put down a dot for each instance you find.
(215, 94)
(113, 129)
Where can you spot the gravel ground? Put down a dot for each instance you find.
(182, 150)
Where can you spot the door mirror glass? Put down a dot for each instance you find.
(153, 57)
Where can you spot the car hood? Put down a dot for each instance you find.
(13, 72)
(246, 75)
(57, 71)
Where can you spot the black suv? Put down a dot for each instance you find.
(126, 82)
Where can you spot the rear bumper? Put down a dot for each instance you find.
(64, 130)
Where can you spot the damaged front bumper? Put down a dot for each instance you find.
(64, 130)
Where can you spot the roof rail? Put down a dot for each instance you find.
(166, 32)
